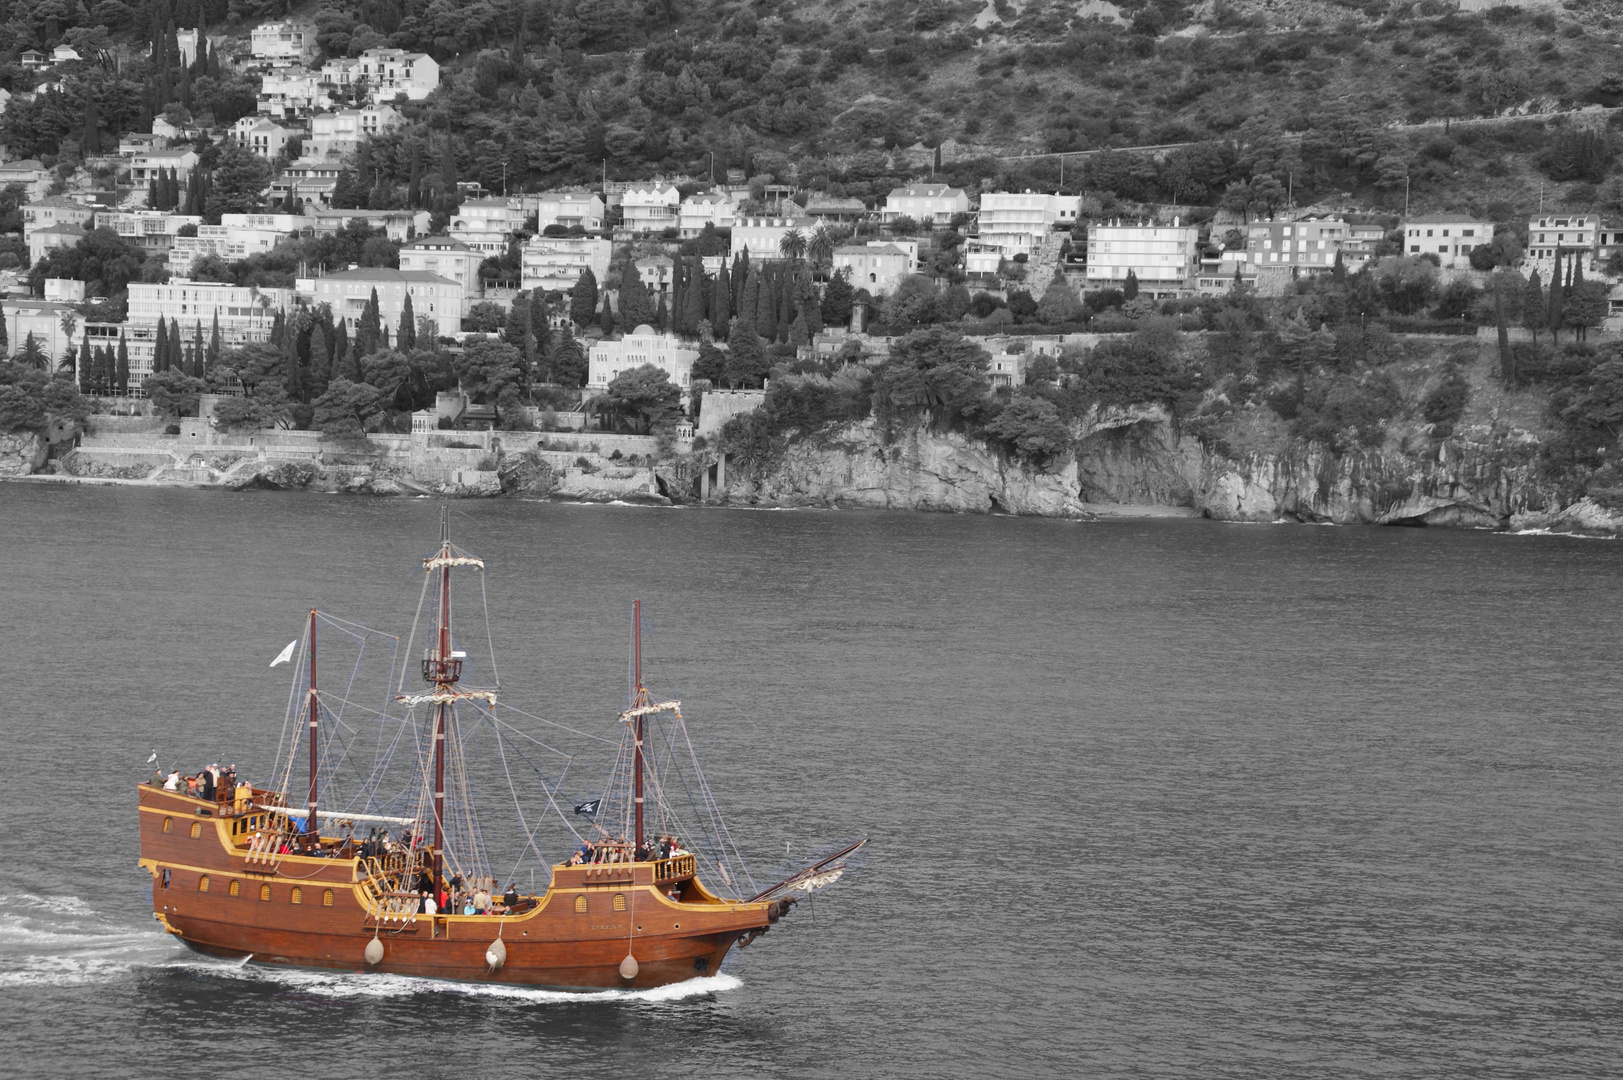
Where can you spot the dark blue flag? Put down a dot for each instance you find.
(587, 809)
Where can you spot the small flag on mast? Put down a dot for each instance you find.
(286, 654)
(587, 809)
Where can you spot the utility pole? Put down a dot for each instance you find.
(1405, 195)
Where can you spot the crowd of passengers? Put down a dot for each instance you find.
(455, 896)
(619, 849)
(213, 784)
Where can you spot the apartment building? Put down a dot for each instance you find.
(399, 225)
(1450, 237)
(245, 314)
(34, 177)
(644, 345)
(931, 205)
(349, 291)
(567, 209)
(152, 164)
(1163, 257)
(1018, 222)
(340, 133)
(292, 93)
(649, 207)
(383, 75)
(556, 262)
(288, 42)
(1305, 245)
(762, 237)
(487, 224)
(1565, 233)
(55, 210)
(263, 136)
(228, 242)
(449, 258)
(710, 208)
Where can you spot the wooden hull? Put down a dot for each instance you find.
(317, 913)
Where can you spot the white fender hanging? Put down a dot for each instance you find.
(496, 955)
(628, 967)
(374, 951)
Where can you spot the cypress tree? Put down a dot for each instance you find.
(1533, 304)
(406, 339)
(583, 298)
(340, 346)
(160, 349)
(661, 316)
(678, 273)
(123, 375)
(1556, 292)
(199, 350)
(215, 343)
(721, 299)
(177, 357)
(693, 311)
(5, 346)
(368, 330)
(278, 328)
(605, 318)
(87, 366)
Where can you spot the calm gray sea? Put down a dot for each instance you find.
(1151, 798)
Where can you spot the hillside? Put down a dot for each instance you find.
(857, 95)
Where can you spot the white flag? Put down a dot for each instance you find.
(285, 655)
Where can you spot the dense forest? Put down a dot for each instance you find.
(545, 93)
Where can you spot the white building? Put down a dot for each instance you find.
(340, 133)
(383, 74)
(285, 41)
(762, 237)
(697, 211)
(1450, 237)
(43, 319)
(1548, 234)
(245, 314)
(34, 177)
(264, 137)
(449, 258)
(556, 262)
(566, 209)
(1018, 222)
(43, 241)
(487, 224)
(642, 346)
(649, 207)
(1305, 245)
(1164, 258)
(878, 268)
(229, 242)
(155, 163)
(928, 204)
(349, 291)
(292, 93)
(400, 225)
(55, 210)
(154, 230)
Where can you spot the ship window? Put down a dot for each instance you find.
(168, 824)
(580, 904)
(264, 892)
(326, 898)
(166, 877)
(203, 883)
(297, 896)
(236, 888)
(619, 901)
(197, 829)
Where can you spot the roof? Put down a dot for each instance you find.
(57, 200)
(642, 330)
(373, 214)
(383, 273)
(924, 191)
(816, 203)
(439, 242)
(877, 249)
(67, 227)
(707, 198)
(26, 165)
(1444, 219)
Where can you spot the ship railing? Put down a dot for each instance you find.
(676, 868)
(385, 901)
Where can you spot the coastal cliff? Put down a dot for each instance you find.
(1136, 459)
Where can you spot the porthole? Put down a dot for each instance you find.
(197, 829)
(236, 888)
(326, 898)
(264, 892)
(203, 883)
(580, 904)
(676, 926)
(168, 824)
(296, 896)
(619, 901)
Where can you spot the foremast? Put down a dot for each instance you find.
(643, 706)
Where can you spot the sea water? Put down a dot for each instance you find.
(1152, 798)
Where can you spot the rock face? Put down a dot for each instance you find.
(1479, 478)
(22, 453)
(921, 470)
(275, 476)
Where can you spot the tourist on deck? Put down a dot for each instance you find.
(173, 783)
(510, 897)
(481, 901)
(207, 789)
(429, 906)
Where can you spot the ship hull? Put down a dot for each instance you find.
(318, 913)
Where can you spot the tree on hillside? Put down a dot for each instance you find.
(932, 372)
(636, 305)
(406, 339)
(747, 360)
(1060, 304)
(583, 298)
(240, 181)
(1534, 312)
(346, 409)
(645, 397)
(837, 300)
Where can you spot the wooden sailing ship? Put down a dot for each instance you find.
(250, 874)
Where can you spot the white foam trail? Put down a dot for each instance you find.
(344, 985)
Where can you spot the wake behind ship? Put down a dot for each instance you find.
(242, 870)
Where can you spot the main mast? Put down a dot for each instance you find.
(638, 700)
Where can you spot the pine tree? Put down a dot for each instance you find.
(160, 349)
(406, 339)
(123, 365)
(278, 329)
(1129, 288)
(5, 346)
(693, 310)
(636, 306)
(199, 350)
(368, 330)
(177, 357)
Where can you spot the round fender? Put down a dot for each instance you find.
(628, 967)
(374, 951)
(496, 955)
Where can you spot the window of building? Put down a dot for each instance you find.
(326, 898)
(619, 901)
(168, 824)
(264, 892)
(197, 829)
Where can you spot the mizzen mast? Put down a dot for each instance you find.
(311, 828)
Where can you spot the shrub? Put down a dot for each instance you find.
(172, 429)
(1444, 406)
